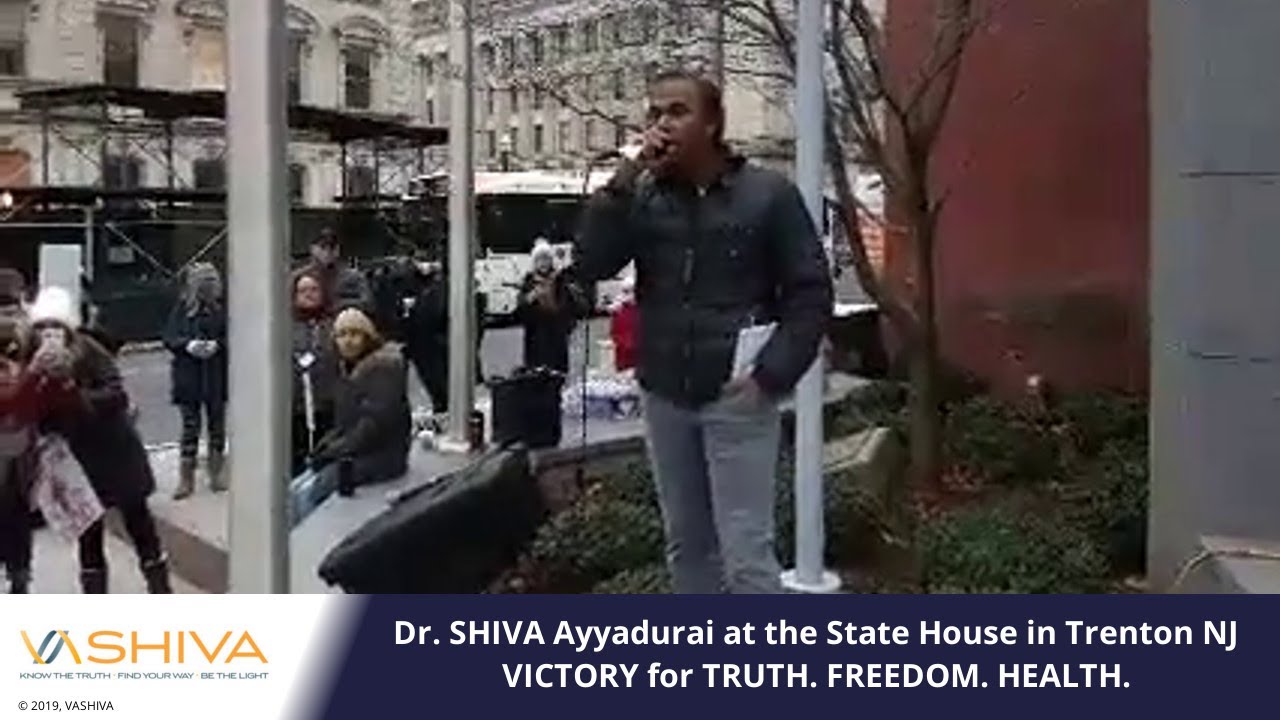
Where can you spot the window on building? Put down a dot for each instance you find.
(121, 172)
(515, 99)
(647, 19)
(489, 101)
(590, 39)
(514, 136)
(618, 28)
(491, 143)
(508, 53)
(208, 174)
(121, 50)
(560, 33)
(297, 182)
(619, 84)
(539, 98)
(564, 136)
(607, 35)
(295, 70)
(362, 181)
(589, 134)
(539, 140)
(357, 68)
(619, 131)
(536, 48)
(486, 58)
(13, 37)
(429, 111)
(208, 66)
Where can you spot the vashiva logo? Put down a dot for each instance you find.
(110, 647)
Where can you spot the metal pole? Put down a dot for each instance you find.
(259, 232)
(717, 41)
(90, 250)
(809, 574)
(462, 320)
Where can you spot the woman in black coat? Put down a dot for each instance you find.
(102, 438)
(197, 337)
(548, 310)
(373, 430)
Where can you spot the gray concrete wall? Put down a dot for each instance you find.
(1215, 283)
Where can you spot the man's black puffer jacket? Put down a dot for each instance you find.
(710, 262)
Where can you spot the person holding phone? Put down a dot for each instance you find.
(197, 338)
(720, 246)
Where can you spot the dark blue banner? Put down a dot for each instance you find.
(654, 656)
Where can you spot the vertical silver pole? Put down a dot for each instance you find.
(90, 252)
(809, 575)
(257, 250)
(462, 318)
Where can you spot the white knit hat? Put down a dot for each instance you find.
(542, 248)
(55, 304)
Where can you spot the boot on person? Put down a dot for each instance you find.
(19, 581)
(156, 573)
(217, 469)
(93, 581)
(186, 479)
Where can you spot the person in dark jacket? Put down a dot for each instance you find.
(343, 286)
(19, 425)
(373, 428)
(315, 369)
(720, 247)
(427, 336)
(101, 437)
(197, 337)
(548, 309)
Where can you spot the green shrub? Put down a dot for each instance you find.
(1115, 503)
(850, 516)
(1096, 419)
(634, 483)
(999, 549)
(883, 404)
(596, 538)
(652, 579)
(1000, 443)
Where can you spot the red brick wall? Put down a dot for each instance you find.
(1042, 252)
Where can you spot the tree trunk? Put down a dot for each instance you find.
(926, 406)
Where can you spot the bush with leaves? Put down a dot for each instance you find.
(882, 404)
(1000, 548)
(851, 516)
(652, 579)
(1001, 443)
(1115, 503)
(1095, 419)
(597, 537)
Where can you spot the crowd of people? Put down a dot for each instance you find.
(719, 245)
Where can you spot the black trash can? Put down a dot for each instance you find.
(526, 408)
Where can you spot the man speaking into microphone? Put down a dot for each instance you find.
(724, 251)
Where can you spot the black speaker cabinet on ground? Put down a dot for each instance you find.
(526, 408)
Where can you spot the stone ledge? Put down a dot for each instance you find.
(1226, 565)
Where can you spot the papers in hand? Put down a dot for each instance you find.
(751, 340)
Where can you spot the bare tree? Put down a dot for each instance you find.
(888, 117)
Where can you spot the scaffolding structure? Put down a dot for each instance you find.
(143, 237)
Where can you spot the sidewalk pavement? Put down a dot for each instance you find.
(56, 570)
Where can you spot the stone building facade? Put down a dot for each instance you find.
(555, 82)
(348, 54)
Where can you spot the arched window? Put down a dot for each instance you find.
(362, 41)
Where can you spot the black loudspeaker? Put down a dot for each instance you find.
(526, 408)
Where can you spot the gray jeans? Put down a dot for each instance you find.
(714, 469)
